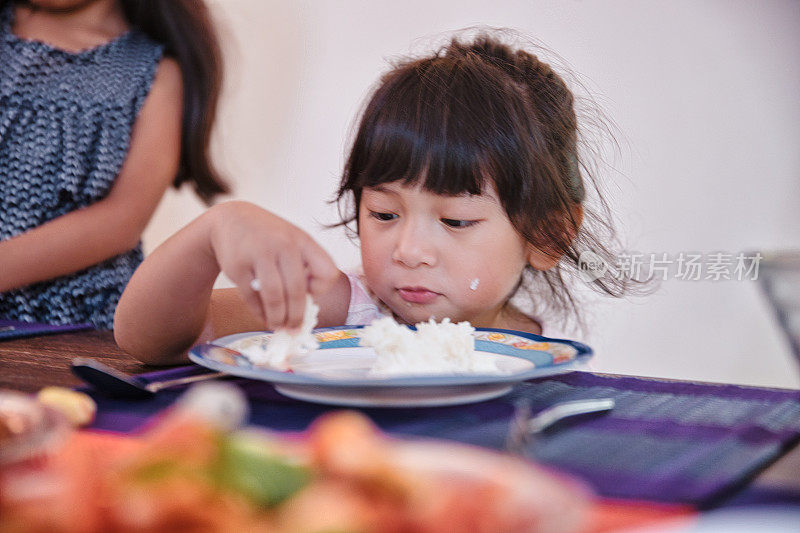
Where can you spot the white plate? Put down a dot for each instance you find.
(336, 373)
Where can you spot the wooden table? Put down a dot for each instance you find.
(32, 363)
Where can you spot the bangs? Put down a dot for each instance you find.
(438, 123)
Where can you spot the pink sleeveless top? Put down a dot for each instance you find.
(364, 306)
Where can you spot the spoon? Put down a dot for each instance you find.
(117, 384)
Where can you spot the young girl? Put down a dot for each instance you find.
(463, 176)
(103, 104)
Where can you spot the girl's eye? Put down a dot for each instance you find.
(384, 217)
(453, 223)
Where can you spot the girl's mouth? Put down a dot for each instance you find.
(417, 295)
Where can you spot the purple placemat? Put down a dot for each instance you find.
(12, 329)
(665, 441)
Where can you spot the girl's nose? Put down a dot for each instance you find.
(413, 247)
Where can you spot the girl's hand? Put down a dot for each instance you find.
(250, 243)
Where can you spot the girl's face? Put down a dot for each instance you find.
(428, 255)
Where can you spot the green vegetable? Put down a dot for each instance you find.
(249, 466)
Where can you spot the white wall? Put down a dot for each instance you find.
(705, 95)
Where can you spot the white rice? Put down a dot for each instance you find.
(283, 345)
(443, 348)
(434, 348)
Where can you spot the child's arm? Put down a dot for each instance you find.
(169, 304)
(113, 225)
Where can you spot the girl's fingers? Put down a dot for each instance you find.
(250, 297)
(293, 272)
(286, 264)
(272, 294)
(321, 271)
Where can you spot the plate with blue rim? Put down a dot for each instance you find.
(337, 373)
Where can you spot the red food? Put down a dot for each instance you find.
(362, 481)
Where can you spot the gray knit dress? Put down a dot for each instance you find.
(65, 127)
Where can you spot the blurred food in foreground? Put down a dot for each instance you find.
(189, 473)
(29, 430)
(78, 407)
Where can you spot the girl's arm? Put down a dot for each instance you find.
(113, 225)
(169, 304)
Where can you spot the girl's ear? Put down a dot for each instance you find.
(546, 258)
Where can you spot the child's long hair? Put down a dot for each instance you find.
(185, 30)
(482, 112)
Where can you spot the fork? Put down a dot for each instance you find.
(524, 428)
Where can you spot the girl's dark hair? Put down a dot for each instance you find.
(185, 30)
(479, 113)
